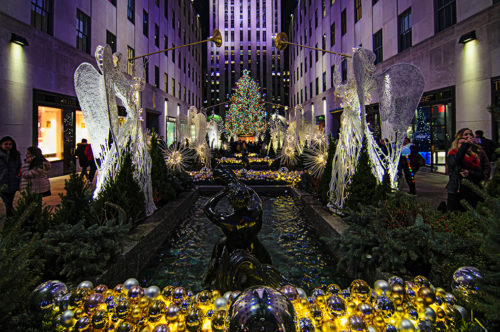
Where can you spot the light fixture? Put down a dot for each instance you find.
(20, 40)
(467, 37)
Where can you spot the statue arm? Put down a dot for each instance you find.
(209, 209)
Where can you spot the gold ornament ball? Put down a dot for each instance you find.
(427, 294)
(218, 320)
(421, 281)
(99, 319)
(156, 310)
(360, 290)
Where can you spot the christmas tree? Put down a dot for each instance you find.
(246, 115)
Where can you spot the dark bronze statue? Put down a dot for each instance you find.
(239, 260)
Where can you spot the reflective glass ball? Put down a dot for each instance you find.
(263, 309)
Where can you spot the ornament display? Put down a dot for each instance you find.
(129, 307)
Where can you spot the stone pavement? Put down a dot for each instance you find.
(430, 189)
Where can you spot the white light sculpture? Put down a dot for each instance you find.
(97, 93)
(399, 90)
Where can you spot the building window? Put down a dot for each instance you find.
(324, 81)
(323, 44)
(50, 133)
(324, 8)
(165, 9)
(146, 69)
(111, 40)
(344, 70)
(316, 19)
(332, 73)
(357, 10)
(157, 35)
(317, 85)
(157, 77)
(41, 15)
(377, 46)
(374, 2)
(343, 22)
(145, 21)
(130, 64)
(445, 14)
(404, 30)
(113, 2)
(311, 88)
(332, 34)
(173, 86)
(131, 10)
(82, 31)
(165, 82)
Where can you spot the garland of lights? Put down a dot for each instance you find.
(246, 114)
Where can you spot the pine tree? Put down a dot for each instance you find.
(324, 182)
(363, 184)
(246, 115)
(488, 300)
(125, 192)
(162, 187)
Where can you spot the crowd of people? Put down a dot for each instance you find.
(470, 157)
(32, 173)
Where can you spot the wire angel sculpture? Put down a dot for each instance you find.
(399, 89)
(277, 129)
(97, 93)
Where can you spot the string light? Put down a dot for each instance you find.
(246, 114)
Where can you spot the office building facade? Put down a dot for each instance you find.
(454, 43)
(247, 28)
(44, 41)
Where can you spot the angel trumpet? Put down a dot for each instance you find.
(216, 37)
(281, 42)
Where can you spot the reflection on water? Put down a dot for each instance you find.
(293, 247)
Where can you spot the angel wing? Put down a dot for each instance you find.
(399, 89)
(91, 93)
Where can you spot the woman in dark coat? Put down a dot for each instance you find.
(10, 166)
(463, 163)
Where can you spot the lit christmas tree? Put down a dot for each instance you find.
(246, 115)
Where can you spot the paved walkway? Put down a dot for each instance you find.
(430, 189)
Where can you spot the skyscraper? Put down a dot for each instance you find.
(247, 28)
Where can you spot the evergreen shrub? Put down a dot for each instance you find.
(125, 192)
(163, 191)
(75, 205)
(397, 237)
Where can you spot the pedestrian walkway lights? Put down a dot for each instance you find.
(281, 42)
(216, 37)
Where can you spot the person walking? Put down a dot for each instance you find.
(34, 172)
(91, 161)
(82, 158)
(488, 145)
(410, 162)
(463, 162)
(10, 166)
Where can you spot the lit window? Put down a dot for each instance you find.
(50, 132)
